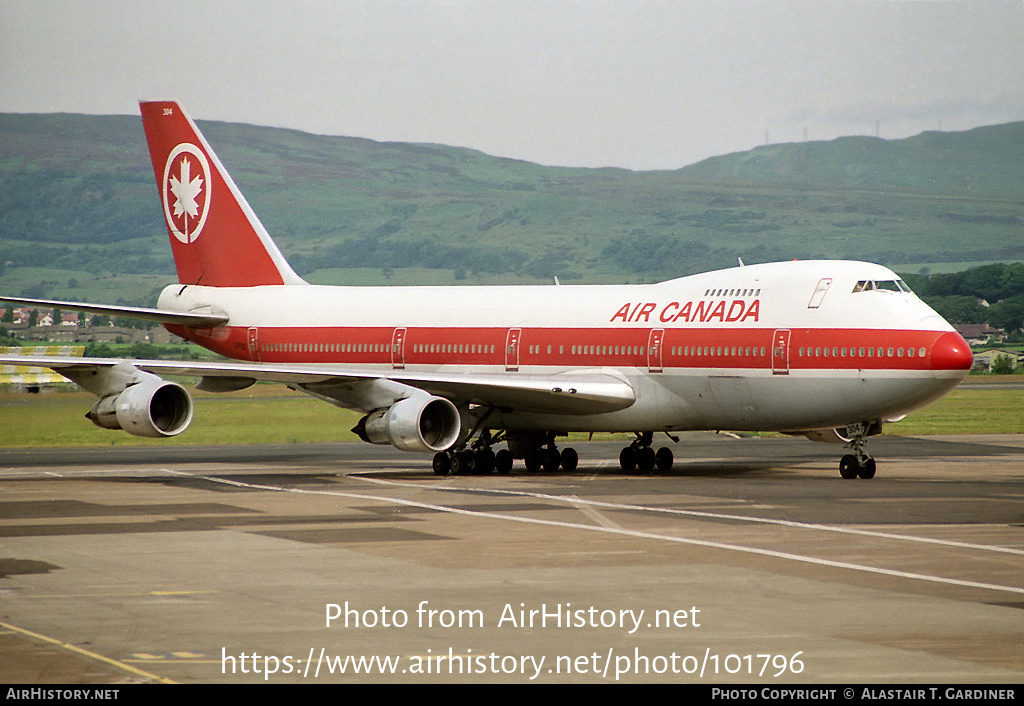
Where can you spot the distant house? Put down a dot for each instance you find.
(977, 334)
(983, 360)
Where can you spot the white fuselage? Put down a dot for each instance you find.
(786, 346)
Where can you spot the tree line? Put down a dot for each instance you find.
(990, 294)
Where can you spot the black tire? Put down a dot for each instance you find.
(663, 459)
(503, 462)
(848, 466)
(551, 460)
(485, 461)
(442, 464)
(627, 459)
(570, 460)
(533, 460)
(867, 471)
(646, 459)
(463, 463)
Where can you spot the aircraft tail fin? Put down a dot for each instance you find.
(216, 238)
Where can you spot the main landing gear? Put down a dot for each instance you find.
(472, 462)
(640, 455)
(857, 464)
(537, 451)
(551, 459)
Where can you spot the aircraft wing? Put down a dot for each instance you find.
(578, 392)
(197, 319)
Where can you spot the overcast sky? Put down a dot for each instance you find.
(643, 85)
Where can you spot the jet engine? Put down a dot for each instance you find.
(151, 407)
(420, 423)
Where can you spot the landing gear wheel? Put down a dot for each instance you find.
(485, 460)
(663, 459)
(645, 459)
(867, 470)
(442, 463)
(858, 464)
(627, 459)
(463, 463)
(503, 462)
(848, 466)
(550, 460)
(640, 455)
(533, 460)
(570, 460)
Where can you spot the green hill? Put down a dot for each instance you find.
(984, 162)
(78, 201)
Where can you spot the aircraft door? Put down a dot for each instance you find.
(398, 349)
(654, 350)
(819, 293)
(512, 349)
(780, 352)
(254, 346)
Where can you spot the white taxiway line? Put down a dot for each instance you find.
(617, 530)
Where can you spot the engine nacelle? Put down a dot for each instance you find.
(151, 407)
(421, 423)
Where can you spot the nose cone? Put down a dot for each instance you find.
(951, 352)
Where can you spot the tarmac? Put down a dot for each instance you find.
(751, 562)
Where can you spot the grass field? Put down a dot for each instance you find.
(272, 414)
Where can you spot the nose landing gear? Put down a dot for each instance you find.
(852, 467)
(857, 464)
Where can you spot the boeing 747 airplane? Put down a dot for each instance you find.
(827, 349)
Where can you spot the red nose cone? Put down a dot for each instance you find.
(951, 352)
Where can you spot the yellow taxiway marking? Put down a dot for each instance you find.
(86, 653)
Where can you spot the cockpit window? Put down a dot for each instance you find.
(885, 285)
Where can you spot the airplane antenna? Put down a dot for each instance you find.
(557, 283)
(740, 260)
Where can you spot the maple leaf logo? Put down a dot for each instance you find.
(186, 197)
(186, 190)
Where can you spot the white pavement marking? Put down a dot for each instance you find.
(616, 530)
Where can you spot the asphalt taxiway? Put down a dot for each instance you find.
(752, 561)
